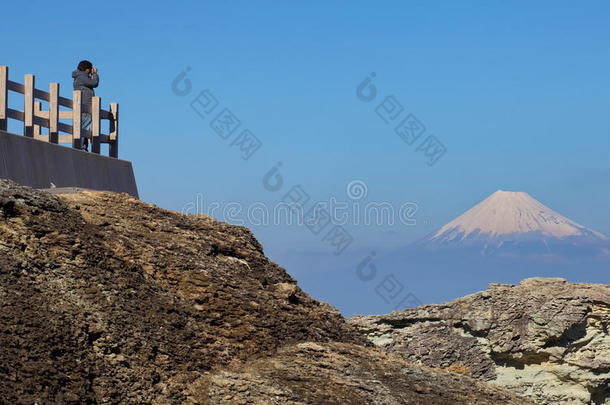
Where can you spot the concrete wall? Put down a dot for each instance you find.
(37, 164)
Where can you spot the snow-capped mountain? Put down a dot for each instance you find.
(514, 224)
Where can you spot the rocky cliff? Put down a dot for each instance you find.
(546, 339)
(344, 374)
(107, 300)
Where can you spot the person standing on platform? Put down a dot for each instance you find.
(86, 78)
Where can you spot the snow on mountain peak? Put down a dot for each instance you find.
(511, 212)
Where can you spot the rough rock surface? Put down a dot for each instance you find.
(546, 339)
(343, 374)
(105, 299)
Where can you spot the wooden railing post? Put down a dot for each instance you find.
(28, 108)
(37, 111)
(3, 97)
(95, 124)
(76, 119)
(53, 112)
(114, 130)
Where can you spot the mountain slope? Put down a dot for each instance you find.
(514, 224)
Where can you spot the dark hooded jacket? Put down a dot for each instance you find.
(85, 82)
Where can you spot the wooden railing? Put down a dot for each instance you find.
(34, 117)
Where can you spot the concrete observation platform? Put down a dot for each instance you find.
(44, 165)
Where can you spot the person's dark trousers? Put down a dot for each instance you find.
(83, 143)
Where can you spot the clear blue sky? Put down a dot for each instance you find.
(518, 92)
